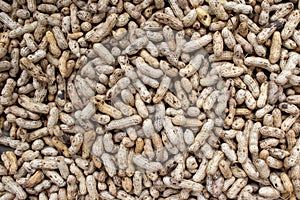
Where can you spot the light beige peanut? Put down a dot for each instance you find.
(242, 151)
(218, 9)
(228, 37)
(262, 168)
(272, 132)
(169, 37)
(288, 186)
(18, 31)
(212, 166)
(268, 192)
(29, 104)
(197, 44)
(55, 178)
(91, 186)
(262, 98)
(107, 109)
(266, 32)
(238, 7)
(281, 11)
(276, 182)
(218, 44)
(190, 18)
(147, 69)
(260, 50)
(14, 187)
(78, 175)
(236, 187)
(101, 51)
(274, 163)
(33, 70)
(252, 85)
(290, 25)
(261, 62)
(250, 100)
(202, 135)
(247, 46)
(169, 20)
(8, 21)
(264, 15)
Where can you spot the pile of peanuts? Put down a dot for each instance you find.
(149, 99)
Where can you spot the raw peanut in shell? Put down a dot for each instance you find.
(186, 99)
